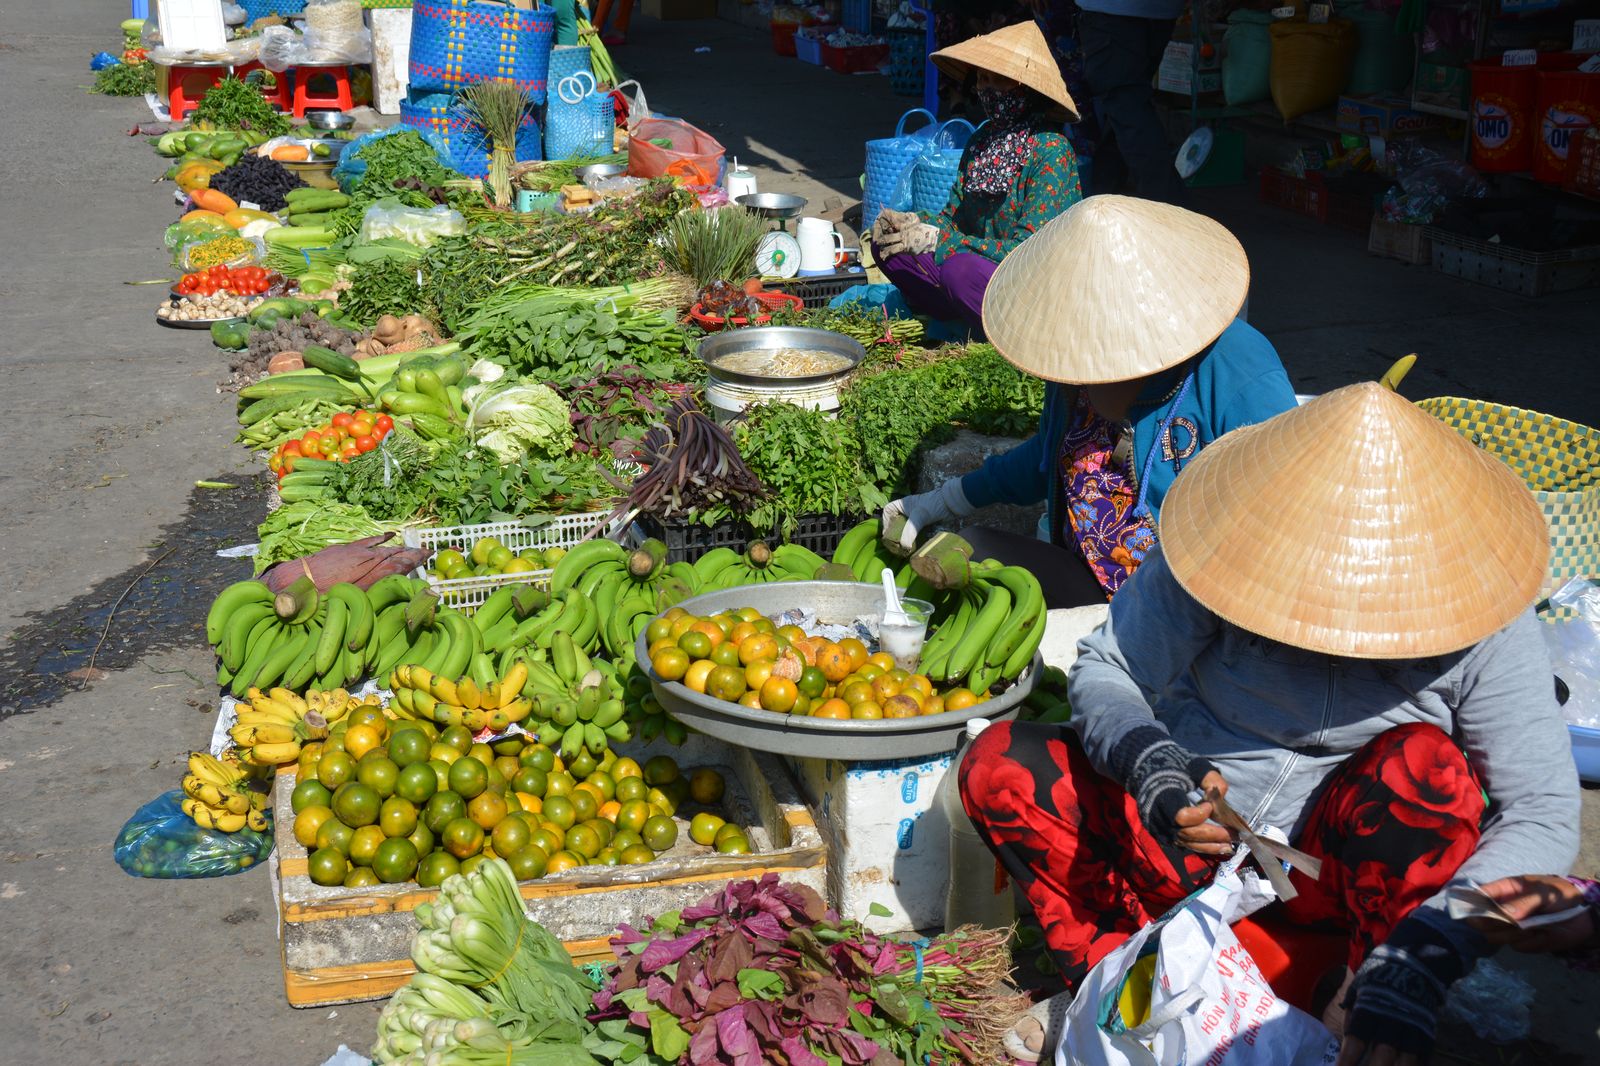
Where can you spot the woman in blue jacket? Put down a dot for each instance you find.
(1128, 308)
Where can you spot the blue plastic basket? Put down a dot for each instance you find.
(464, 139)
(457, 42)
(887, 161)
(808, 49)
(907, 57)
(581, 128)
(857, 16)
(260, 9)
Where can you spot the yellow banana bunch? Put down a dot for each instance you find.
(273, 725)
(210, 818)
(217, 795)
(476, 703)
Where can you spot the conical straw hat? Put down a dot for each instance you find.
(1017, 52)
(1356, 525)
(1115, 288)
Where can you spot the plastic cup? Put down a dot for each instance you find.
(903, 643)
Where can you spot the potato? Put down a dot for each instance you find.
(283, 362)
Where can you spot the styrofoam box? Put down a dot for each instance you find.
(888, 843)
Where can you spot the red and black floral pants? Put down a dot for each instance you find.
(1392, 825)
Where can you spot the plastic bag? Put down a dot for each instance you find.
(695, 156)
(196, 229)
(414, 225)
(161, 841)
(1310, 64)
(1494, 1001)
(1247, 58)
(351, 167)
(1426, 182)
(280, 46)
(1574, 644)
(336, 33)
(185, 256)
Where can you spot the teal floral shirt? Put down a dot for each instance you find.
(1047, 186)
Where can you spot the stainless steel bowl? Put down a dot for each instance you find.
(599, 171)
(773, 204)
(718, 346)
(329, 120)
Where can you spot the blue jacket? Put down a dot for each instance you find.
(1238, 381)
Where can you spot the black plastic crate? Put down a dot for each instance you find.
(818, 291)
(687, 541)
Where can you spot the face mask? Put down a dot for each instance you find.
(1002, 104)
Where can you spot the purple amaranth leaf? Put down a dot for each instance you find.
(664, 952)
(639, 1018)
(823, 1003)
(703, 1047)
(799, 1053)
(851, 1047)
(738, 1041)
(721, 997)
(657, 988)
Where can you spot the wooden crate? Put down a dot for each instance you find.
(1397, 240)
(344, 945)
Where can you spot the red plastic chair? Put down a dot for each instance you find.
(187, 85)
(309, 95)
(1292, 958)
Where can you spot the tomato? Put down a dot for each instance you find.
(365, 444)
(361, 428)
(342, 419)
(275, 463)
(384, 423)
(349, 450)
(329, 447)
(289, 462)
(291, 448)
(379, 434)
(311, 443)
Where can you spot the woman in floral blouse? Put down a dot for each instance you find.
(1017, 173)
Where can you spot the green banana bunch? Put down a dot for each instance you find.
(297, 639)
(411, 629)
(987, 631)
(644, 712)
(578, 702)
(862, 552)
(724, 568)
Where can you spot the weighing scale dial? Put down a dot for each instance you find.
(778, 255)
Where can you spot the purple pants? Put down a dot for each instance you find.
(948, 290)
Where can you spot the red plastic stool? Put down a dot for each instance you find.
(278, 94)
(187, 85)
(308, 99)
(1292, 958)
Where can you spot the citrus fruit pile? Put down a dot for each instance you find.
(743, 657)
(383, 802)
(488, 557)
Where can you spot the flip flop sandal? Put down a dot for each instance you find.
(1051, 1017)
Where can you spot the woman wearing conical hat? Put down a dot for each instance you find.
(1336, 634)
(1128, 308)
(1017, 173)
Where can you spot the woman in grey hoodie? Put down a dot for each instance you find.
(1336, 634)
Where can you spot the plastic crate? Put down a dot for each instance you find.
(819, 290)
(1399, 240)
(808, 49)
(1514, 269)
(687, 541)
(854, 60)
(552, 531)
(1311, 196)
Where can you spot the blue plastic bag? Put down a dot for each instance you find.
(893, 304)
(351, 168)
(161, 841)
(101, 60)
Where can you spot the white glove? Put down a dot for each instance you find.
(919, 238)
(927, 509)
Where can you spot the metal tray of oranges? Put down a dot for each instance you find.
(850, 740)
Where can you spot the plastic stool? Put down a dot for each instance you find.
(307, 100)
(280, 95)
(187, 85)
(1292, 958)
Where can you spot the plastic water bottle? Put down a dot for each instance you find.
(979, 890)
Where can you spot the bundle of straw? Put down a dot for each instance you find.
(498, 108)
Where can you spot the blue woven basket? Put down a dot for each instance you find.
(887, 160)
(260, 9)
(908, 53)
(938, 167)
(466, 141)
(565, 61)
(581, 129)
(457, 42)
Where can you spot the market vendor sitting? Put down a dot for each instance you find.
(1127, 307)
(1336, 633)
(1017, 173)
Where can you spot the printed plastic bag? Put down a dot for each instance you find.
(1574, 644)
(1183, 989)
(161, 841)
(351, 167)
(694, 156)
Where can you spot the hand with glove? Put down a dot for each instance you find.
(888, 232)
(926, 509)
(1394, 1001)
(1159, 774)
(920, 238)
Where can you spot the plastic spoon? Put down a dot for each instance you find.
(893, 613)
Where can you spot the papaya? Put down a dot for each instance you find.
(240, 217)
(201, 213)
(209, 199)
(291, 153)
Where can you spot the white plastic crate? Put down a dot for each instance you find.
(537, 531)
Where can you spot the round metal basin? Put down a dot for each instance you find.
(716, 347)
(773, 204)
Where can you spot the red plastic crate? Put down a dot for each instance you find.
(854, 60)
(1311, 196)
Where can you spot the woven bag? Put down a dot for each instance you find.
(1559, 460)
(457, 42)
(935, 172)
(578, 121)
(887, 161)
(466, 141)
(260, 9)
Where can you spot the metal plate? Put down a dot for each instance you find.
(197, 323)
(717, 346)
(599, 171)
(773, 204)
(826, 738)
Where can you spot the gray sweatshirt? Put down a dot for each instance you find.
(1276, 720)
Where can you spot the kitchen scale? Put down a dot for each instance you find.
(778, 253)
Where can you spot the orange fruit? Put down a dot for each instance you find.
(739, 633)
(463, 838)
(696, 644)
(591, 790)
(901, 707)
(835, 708)
(855, 651)
(854, 692)
(751, 699)
(764, 625)
(633, 815)
(756, 647)
(725, 683)
(933, 705)
(869, 672)
(791, 633)
(584, 805)
(789, 666)
(604, 783)
(867, 709)
(360, 739)
(699, 672)
(703, 829)
(559, 811)
(563, 860)
(658, 630)
(488, 809)
(609, 810)
(779, 694)
(885, 686)
(756, 674)
(918, 683)
(681, 624)
(802, 704)
(811, 682)
(834, 662)
(882, 660)
(670, 663)
(530, 803)
(626, 767)
(806, 648)
(657, 646)
(727, 654)
(959, 699)
(713, 631)
(706, 786)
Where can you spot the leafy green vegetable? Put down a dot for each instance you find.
(557, 338)
(234, 104)
(809, 462)
(516, 419)
(125, 79)
(386, 286)
(298, 529)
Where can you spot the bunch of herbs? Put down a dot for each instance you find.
(234, 104)
(809, 462)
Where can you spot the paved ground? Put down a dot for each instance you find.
(114, 418)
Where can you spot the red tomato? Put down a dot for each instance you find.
(289, 463)
(379, 434)
(343, 419)
(311, 443)
(349, 449)
(384, 423)
(291, 448)
(365, 444)
(275, 463)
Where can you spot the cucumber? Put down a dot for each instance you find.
(324, 200)
(450, 369)
(305, 387)
(331, 362)
(294, 196)
(317, 220)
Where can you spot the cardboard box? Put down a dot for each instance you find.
(342, 945)
(672, 10)
(1383, 116)
(888, 842)
(1441, 86)
(1177, 70)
